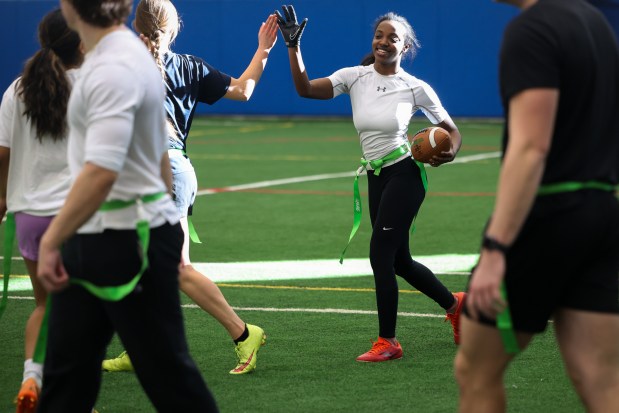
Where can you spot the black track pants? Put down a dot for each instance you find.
(148, 321)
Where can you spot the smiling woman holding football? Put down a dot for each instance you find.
(384, 98)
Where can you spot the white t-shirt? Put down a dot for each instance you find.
(382, 106)
(117, 122)
(39, 178)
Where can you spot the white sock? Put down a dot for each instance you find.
(33, 370)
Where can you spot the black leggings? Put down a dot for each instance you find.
(149, 322)
(395, 196)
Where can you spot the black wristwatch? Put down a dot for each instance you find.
(492, 244)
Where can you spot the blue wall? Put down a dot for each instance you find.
(460, 41)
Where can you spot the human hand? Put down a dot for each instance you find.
(443, 157)
(50, 270)
(484, 293)
(267, 36)
(290, 28)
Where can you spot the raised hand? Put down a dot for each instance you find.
(288, 25)
(267, 36)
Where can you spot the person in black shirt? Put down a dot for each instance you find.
(551, 248)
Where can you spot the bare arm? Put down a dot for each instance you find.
(531, 123)
(166, 171)
(532, 117)
(5, 158)
(243, 87)
(85, 197)
(313, 89)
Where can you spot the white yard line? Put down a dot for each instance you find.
(309, 178)
(307, 269)
(322, 310)
(296, 270)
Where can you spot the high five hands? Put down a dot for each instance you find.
(288, 25)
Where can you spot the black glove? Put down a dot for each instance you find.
(290, 28)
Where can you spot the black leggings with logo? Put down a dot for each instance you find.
(395, 196)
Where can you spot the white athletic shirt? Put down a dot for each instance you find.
(39, 178)
(117, 122)
(382, 107)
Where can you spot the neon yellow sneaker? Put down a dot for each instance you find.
(120, 363)
(247, 350)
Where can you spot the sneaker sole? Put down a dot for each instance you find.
(26, 404)
(380, 361)
(115, 370)
(250, 369)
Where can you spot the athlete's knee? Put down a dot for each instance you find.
(403, 266)
(382, 253)
(594, 378)
(184, 273)
(472, 376)
(462, 369)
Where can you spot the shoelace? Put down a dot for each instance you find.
(380, 346)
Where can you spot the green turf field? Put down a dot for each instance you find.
(251, 209)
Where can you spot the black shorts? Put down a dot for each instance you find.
(566, 259)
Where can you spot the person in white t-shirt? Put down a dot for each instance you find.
(34, 178)
(111, 278)
(384, 97)
(190, 80)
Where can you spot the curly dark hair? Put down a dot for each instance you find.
(44, 87)
(410, 38)
(103, 13)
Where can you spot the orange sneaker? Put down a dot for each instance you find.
(27, 397)
(455, 317)
(382, 350)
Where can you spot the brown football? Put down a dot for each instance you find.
(429, 142)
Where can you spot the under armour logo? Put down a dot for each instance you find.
(379, 88)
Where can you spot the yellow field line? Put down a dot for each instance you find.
(292, 287)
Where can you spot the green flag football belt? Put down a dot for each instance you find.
(504, 320)
(9, 239)
(117, 293)
(560, 187)
(111, 293)
(114, 293)
(376, 165)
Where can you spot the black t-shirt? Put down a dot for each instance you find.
(568, 45)
(189, 80)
